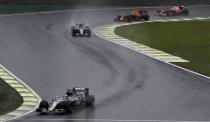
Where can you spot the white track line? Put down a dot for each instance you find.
(200, 18)
(105, 120)
(187, 19)
(111, 36)
(30, 98)
(174, 20)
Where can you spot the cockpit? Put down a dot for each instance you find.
(80, 25)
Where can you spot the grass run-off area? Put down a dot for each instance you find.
(9, 98)
(187, 39)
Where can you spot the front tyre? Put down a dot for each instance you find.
(73, 34)
(43, 107)
(168, 13)
(146, 18)
(44, 104)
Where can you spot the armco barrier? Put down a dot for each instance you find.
(105, 2)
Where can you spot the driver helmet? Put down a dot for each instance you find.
(81, 25)
(69, 92)
(181, 7)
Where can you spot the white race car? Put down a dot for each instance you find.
(80, 30)
(66, 104)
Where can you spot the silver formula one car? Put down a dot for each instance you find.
(75, 98)
(80, 30)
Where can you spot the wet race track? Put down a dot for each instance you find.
(127, 85)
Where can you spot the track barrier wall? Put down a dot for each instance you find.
(105, 2)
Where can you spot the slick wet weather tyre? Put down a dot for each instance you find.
(90, 101)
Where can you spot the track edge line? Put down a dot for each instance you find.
(37, 97)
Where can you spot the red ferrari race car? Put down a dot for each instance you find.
(135, 15)
(177, 10)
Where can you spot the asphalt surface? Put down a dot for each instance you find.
(127, 85)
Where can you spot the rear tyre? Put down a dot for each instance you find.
(90, 101)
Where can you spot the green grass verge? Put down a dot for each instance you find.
(9, 98)
(187, 39)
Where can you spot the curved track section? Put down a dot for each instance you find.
(30, 98)
(128, 86)
(107, 32)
